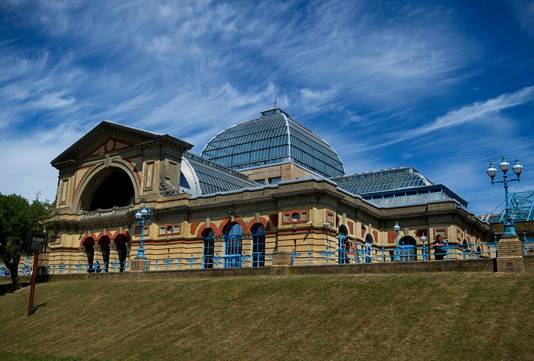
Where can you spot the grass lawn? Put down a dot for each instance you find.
(438, 316)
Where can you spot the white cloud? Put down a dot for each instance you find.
(317, 100)
(191, 68)
(524, 10)
(467, 114)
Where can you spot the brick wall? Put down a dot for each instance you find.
(528, 261)
(510, 247)
(475, 265)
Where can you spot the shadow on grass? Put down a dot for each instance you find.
(36, 307)
(8, 287)
(31, 357)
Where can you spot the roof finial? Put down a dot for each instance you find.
(275, 105)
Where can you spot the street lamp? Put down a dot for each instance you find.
(143, 215)
(396, 227)
(509, 228)
(423, 240)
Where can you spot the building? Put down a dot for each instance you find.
(260, 190)
(522, 210)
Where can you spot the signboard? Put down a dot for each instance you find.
(37, 242)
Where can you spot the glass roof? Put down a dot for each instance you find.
(522, 206)
(273, 138)
(382, 181)
(210, 177)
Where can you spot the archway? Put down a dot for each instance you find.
(258, 245)
(368, 248)
(209, 248)
(104, 243)
(343, 245)
(407, 249)
(111, 187)
(121, 244)
(89, 247)
(233, 239)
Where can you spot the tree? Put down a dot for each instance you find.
(18, 218)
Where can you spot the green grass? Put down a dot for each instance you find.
(439, 316)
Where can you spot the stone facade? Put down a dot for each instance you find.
(304, 215)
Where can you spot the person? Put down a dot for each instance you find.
(346, 251)
(439, 248)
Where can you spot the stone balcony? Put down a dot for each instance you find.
(111, 212)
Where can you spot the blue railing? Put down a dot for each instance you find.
(361, 254)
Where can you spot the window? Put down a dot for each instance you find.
(275, 180)
(233, 246)
(209, 247)
(285, 219)
(258, 245)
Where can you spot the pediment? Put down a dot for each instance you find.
(110, 145)
(109, 137)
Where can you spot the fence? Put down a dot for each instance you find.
(362, 253)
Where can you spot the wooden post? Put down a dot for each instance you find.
(33, 282)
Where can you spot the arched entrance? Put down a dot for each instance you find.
(104, 243)
(89, 247)
(233, 240)
(111, 187)
(258, 245)
(343, 245)
(209, 247)
(407, 249)
(121, 244)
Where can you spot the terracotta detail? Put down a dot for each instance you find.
(203, 227)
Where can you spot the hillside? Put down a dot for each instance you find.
(443, 316)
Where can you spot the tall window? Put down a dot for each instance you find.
(207, 259)
(89, 246)
(258, 245)
(104, 242)
(368, 248)
(343, 245)
(121, 243)
(233, 238)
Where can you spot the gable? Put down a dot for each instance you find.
(110, 145)
(109, 137)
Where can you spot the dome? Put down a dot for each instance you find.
(273, 138)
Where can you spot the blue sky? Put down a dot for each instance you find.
(444, 86)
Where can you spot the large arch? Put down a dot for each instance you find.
(96, 179)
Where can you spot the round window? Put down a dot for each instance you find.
(295, 217)
(169, 229)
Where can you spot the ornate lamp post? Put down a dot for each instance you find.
(509, 228)
(423, 240)
(143, 215)
(396, 227)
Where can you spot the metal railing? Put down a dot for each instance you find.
(361, 254)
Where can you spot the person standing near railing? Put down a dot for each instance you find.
(439, 248)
